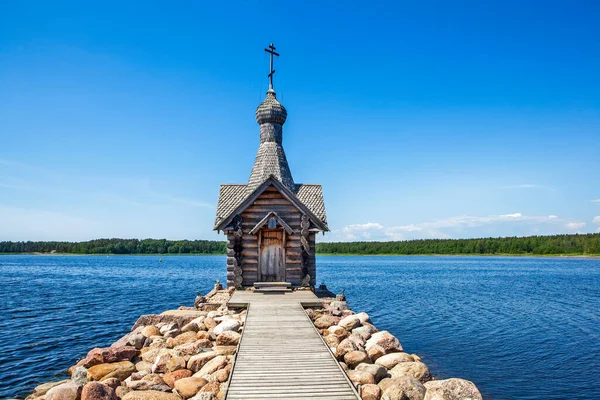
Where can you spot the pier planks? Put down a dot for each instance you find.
(282, 356)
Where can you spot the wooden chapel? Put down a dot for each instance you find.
(271, 222)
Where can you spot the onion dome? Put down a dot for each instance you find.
(271, 110)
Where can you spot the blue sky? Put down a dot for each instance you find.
(420, 119)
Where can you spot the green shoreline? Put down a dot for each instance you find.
(318, 254)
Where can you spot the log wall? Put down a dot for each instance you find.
(270, 200)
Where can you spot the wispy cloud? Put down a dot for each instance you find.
(190, 202)
(34, 224)
(529, 186)
(595, 201)
(596, 220)
(460, 226)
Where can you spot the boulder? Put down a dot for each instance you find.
(353, 358)
(222, 375)
(210, 323)
(394, 393)
(363, 317)
(452, 389)
(194, 325)
(386, 340)
(120, 370)
(211, 387)
(331, 340)
(171, 377)
(162, 388)
(375, 352)
(213, 365)
(337, 305)
(122, 353)
(228, 338)
(195, 363)
(416, 369)
(350, 322)
(377, 371)
(166, 363)
(345, 346)
(108, 355)
(143, 366)
(121, 391)
(188, 387)
(227, 325)
(360, 378)
(42, 389)
(112, 382)
(363, 331)
(156, 379)
(337, 330)
(79, 375)
(190, 349)
(389, 361)
(150, 355)
(225, 350)
(98, 391)
(370, 392)
(168, 360)
(324, 322)
(136, 340)
(202, 335)
(204, 396)
(186, 337)
(358, 340)
(65, 391)
(412, 388)
(149, 331)
(150, 395)
(125, 339)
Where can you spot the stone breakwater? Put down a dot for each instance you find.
(188, 354)
(376, 362)
(180, 354)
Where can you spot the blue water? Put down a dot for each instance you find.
(520, 328)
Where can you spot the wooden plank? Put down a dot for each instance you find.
(281, 355)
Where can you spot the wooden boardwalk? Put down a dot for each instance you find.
(282, 356)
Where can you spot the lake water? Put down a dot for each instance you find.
(520, 328)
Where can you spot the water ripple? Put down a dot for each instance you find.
(521, 328)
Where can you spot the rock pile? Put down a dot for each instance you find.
(376, 362)
(179, 354)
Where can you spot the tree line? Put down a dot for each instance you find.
(577, 244)
(118, 246)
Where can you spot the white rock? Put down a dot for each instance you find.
(227, 325)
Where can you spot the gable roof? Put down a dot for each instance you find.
(307, 198)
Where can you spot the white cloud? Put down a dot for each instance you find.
(361, 231)
(575, 226)
(595, 201)
(514, 224)
(596, 220)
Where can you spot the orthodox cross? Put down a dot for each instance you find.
(271, 51)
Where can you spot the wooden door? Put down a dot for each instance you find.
(272, 268)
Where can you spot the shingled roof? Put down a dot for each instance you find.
(231, 196)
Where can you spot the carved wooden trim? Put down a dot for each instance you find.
(305, 241)
(263, 221)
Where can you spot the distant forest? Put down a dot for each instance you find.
(118, 246)
(588, 244)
